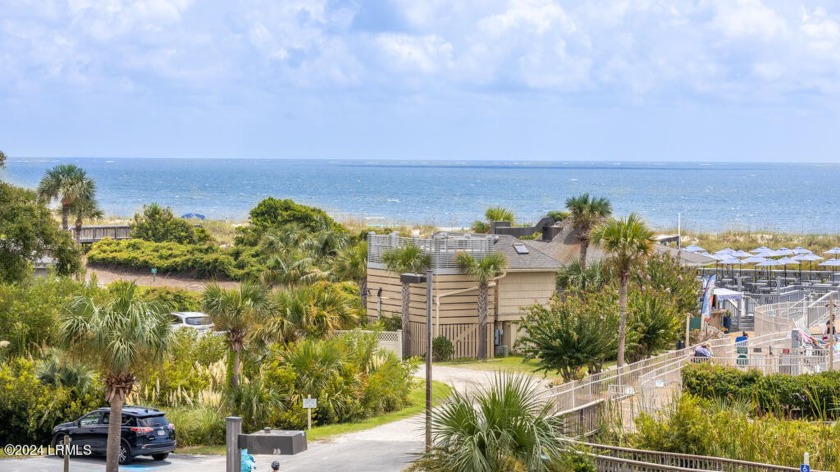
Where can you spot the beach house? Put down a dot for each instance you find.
(528, 279)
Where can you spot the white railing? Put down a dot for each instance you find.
(442, 248)
(786, 316)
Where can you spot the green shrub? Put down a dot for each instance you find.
(197, 426)
(30, 408)
(713, 428)
(167, 257)
(29, 311)
(813, 396)
(177, 299)
(349, 376)
(442, 349)
(159, 225)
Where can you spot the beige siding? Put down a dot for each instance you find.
(459, 308)
(458, 318)
(520, 289)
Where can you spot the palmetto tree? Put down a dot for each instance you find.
(483, 270)
(576, 277)
(493, 214)
(2, 159)
(236, 312)
(70, 185)
(120, 337)
(351, 264)
(406, 259)
(505, 426)
(317, 311)
(84, 209)
(627, 241)
(586, 213)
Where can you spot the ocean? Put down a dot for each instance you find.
(708, 196)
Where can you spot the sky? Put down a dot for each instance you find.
(620, 80)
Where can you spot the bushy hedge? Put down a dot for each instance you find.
(713, 428)
(815, 396)
(30, 408)
(176, 299)
(168, 257)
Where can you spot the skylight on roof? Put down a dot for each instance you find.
(520, 248)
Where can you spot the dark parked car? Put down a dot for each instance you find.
(145, 432)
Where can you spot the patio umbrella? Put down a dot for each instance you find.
(810, 257)
(787, 260)
(769, 263)
(801, 250)
(693, 248)
(831, 263)
(761, 249)
(783, 251)
(741, 253)
(730, 261)
(753, 260)
(835, 250)
(727, 250)
(767, 253)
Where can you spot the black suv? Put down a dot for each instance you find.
(145, 432)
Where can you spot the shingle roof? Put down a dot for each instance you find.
(534, 260)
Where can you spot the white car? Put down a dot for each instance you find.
(192, 320)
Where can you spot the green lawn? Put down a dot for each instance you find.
(440, 392)
(508, 364)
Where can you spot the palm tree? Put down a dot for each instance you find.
(483, 270)
(574, 276)
(120, 336)
(627, 242)
(84, 209)
(493, 214)
(408, 258)
(317, 310)
(2, 159)
(587, 213)
(351, 264)
(235, 312)
(505, 426)
(70, 185)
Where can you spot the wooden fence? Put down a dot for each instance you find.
(464, 337)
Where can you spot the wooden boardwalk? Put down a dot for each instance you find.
(92, 234)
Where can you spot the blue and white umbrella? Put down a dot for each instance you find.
(693, 248)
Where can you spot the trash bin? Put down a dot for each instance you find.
(680, 345)
(727, 324)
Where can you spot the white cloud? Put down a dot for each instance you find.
(748, 19)
(752, 51)
(426, 54)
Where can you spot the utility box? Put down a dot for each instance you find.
(274, 442)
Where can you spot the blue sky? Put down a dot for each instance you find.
(688, 80)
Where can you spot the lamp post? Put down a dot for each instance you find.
(418, 279)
